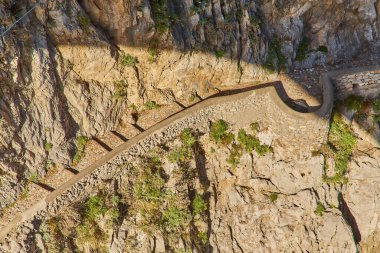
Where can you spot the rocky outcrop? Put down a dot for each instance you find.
(71, 67)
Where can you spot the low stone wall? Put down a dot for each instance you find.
(362, 82)
(197, 116)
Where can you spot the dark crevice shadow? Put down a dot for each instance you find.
(180, 104)
(72, 170)
(349, 218)
(119, 135)
(101, 143)
(135, 125)
(44, 186)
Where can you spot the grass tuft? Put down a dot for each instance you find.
(198, 205)
(80, 142)
(150, 105)
(320, 209)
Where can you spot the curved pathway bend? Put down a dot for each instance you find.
(227, 106)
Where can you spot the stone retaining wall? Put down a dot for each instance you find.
(365, 84)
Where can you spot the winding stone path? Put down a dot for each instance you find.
(269, 101)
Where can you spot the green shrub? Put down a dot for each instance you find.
(89, 234)
(152, 55)
(323, 49)
(187, 138)
(262, 149)
(149, 186)
(180, 154)
(320, 209)
(128, 60)
(120, 89)
(274, 53)
(150, 105)
(48, 146)
(340, 136)
(202, 236)
(34, 178)
(218, 133)
(234, 156)
(255, 22)
(219, 54)
(273, 197)
(84, 22)
(353, 103)
(198, 205)
(160, 15)
(173, 218)
(247, 141)
(255, 127)
(94, 207)
(343, 142)
(302, 50)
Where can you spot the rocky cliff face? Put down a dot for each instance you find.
(71, 68)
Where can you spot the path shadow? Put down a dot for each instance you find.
(350, 219)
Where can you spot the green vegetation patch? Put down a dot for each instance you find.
(274, 55)
(202, 236)
(199, 5)
(302, 50)
(219, 133)
(198, 205)
(90, 232)
(173, 217)
(128, 60)
(376, 109)
(320, 209)
(254, 21)
(84, 22)
(184, 152)
(160, 15)
(150, 105)
(156, 205)
(80, 142)
(342, 143)
(34, 178)
(273, 197)
(219, 54)
(353, 103)
(250, 142)
(120, 89)
(247, 141)
(323, 49)
(235, 155)
(149, 187)
(48, 146)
